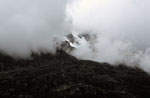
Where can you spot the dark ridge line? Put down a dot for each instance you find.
(64, 76)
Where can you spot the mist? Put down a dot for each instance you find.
(118, 30)
(122, 29)
(32, 26)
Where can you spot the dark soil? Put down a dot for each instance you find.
(63, 76)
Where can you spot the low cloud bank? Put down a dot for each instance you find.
(122, 29)
(32, 25)
(113, 31)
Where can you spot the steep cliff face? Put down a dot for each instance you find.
(61, 75)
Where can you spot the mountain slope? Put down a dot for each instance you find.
(61, 75)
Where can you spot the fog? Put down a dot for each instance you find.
(32, 25)
(122, 28)
(119, 30)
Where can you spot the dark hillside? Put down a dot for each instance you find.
(61, 75)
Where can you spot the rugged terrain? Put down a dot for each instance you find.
(63, 76)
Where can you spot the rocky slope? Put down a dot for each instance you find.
(63, 76)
